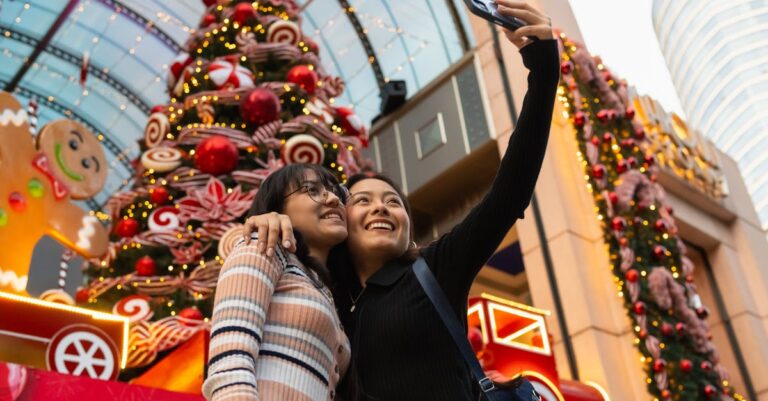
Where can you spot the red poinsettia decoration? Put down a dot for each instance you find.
(215, 203)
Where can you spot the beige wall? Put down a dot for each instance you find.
(596, 319)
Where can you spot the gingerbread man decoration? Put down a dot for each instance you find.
(38, 181)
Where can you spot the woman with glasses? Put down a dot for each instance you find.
(275, 332)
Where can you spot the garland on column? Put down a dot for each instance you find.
(654, 277)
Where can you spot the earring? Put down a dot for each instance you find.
(413, 244)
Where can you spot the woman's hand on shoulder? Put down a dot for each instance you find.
(537, 24)
(271, 227)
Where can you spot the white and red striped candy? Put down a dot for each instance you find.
(303, 148)
(228, 73)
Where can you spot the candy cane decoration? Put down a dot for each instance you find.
(32, 116)
(66, 257)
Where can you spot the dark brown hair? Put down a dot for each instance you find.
(271, 198)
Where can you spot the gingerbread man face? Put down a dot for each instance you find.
(76, 157)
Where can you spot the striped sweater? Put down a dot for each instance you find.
(275, 335)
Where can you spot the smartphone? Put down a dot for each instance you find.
(486, 9)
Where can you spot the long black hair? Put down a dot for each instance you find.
(271, 198)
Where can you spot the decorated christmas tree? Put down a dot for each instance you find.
(249, 96)
(654, 276)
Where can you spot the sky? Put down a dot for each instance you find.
(621, 32)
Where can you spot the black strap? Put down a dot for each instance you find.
(440, 302)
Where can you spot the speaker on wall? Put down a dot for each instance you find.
(393, 95)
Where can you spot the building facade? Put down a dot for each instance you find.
(716, 53)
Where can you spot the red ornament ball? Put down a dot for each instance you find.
(650, 159)
(623, 241)
(659, 365)
(146, 266)
(666, 329)
(595, 140)
(158, 108)
(603, 115)
(82, 295)
(216, 155)
(191, 313)
(608, 138)
(639, 308)
(628, 143)
(209, 3)
(629, 113)
(622, 166)
(680, 328)
(710, 390)
(613, 198)
(598, 171)
(659, 252)
(303, 76)
(642, 334)
(631, 275)
(660, 225)
(159, 195)
(706, 365)
(702, 312)
(207, 20)
(244, 12)
(618, 223)
(639, 133)
(566, 67)
(665, 394)
(686, 365)
(579, 118)
(632, 161)
(260, 106)
(127, 228)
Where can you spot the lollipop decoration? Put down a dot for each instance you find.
(156, 130)
(135, 307)
(161, 159)
(164, 219)
(282, 31)
(303, 148)
(228, 73)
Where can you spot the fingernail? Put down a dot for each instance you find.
(270, 252)
(286, 244)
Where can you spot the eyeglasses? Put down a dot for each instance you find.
(319, 192)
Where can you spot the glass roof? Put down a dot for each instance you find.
(129, 44)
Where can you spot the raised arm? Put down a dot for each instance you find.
(457, 257)
(243, 294)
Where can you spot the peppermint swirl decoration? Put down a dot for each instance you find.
(135, 307)
(303, 148)
(156, 130)
(161, 159)
(164, 219)
(282, 31)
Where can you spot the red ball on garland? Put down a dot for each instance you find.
(639, 308)
(660, 225)
(579, 118)
(207, 20)
(618, 223)
(706, 365)
(209, 3)
(642, 334)
(145, 266)
(710, 390)
(659, 365)
(158, 108)
(82, 295)
(629, 113)
(303, 76)
(260, 106)
(159, 195)
(595, 140)
(631, 275)
(216, 155)
(622, 166)
(628, 143)
(608, 138)
(702, 312)
(659, 252)
(632, 161)
(665, 394)
(244, 12)
(613, 198)
(639, 133)
(603, 115)
(686, 365)
(650, 159)
(566, 67)
(598, 171)
(127, 228)
(191, 313)
(666, 329)
(623, 241)
(680, 328)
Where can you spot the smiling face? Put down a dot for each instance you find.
(321, 221)
(377, 219)
(75, 156)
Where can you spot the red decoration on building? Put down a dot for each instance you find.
(603, 115)
(159, 195)
(207, 20)
(216, 155)
(598, 171)
(659, 365)
(146, 266)
(629, 113)
(666, 329)
(709, 391)
(579, 118)
(82, 295)
(631, 275)
(127, 228)
(639, 308)
(191, 313)
(260, 106)
(243, 13)
(618, 223)
(686, 365)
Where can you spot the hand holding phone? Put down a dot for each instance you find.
(522, 22)
(488, 9)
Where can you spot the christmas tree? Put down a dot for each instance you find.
(248, 96)
(654, 277)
